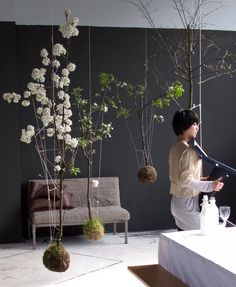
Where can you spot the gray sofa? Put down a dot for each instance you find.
(43, 212)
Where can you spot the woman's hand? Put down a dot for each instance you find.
(217, 184)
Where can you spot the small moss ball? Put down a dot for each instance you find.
(93, 229)
(56, 258)
(147, 174)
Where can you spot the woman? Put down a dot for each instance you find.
(185, 171)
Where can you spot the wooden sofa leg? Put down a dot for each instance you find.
(29, 229)
(114, 228)
(34, 235)
(126, 232)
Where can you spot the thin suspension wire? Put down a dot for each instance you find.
(200, 72)
(145, 80)
(50, 214)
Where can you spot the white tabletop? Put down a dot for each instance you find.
(200, 260)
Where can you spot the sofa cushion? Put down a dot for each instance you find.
(79, 215)
(41, 203)
(45, 190)
(107, 193)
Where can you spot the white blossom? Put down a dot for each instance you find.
(46, 117)
(94, 183)
(104, 108)
(59, 109)
(68, 113)
(12, 97)
(57, 168)
(27, 94)
(56, 64)
(66, 104)
(67, 129)
(64, 82)
(60, 136)
(68, 122)
(58, 50)
(73, 142)
(25, 103)
(50, 132)
(38, 74)
(44, 53)
(67, 12)
(75, 21)
(46, 61)
(67, 97)
(107, 128)
(61, 95)
(39, 110)
(58, 159)
(65, 72)
(56, 79)
(26, 135)
(38, 90)
(71, 67)
(69, 29)
(158, 118)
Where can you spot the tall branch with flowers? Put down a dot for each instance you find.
(48, 93)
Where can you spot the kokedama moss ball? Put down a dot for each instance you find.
(93, 229)
(147, 174)
(56, 258)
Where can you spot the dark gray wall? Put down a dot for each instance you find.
(10, 190)
(122, 52)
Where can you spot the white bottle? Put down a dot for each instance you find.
(214, 213)
(204, 216)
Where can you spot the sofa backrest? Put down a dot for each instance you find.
(107, 192)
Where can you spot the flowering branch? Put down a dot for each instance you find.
(48, 94)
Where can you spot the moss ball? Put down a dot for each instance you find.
(56, 258)
(93, 229)
(147, 174)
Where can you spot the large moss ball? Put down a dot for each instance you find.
(147, 174)
(93, 229)
(56, 258)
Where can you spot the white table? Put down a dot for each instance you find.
(200, 260)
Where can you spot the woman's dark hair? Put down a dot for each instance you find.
(183, 119)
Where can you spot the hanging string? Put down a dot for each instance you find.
(145, 82)
(200, 71)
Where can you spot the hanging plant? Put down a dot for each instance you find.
(56, 258)
(48, 93)
(147, 174)
(93, 229)
(93, 128)
(134, 105)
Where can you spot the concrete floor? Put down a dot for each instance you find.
(101, 263)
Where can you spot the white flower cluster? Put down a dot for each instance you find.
(70, 28)
(11, 97)
(38, 75)
(159, 118)
(58, 50)
(94, 183)
(52, 109)
(27, 134)
(106, 129)
(57, 161)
